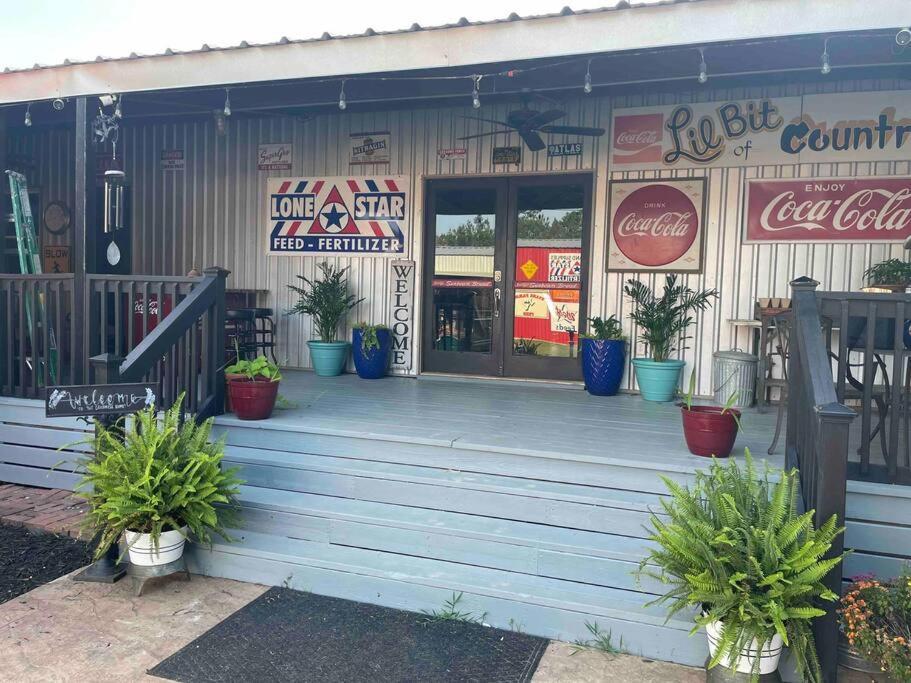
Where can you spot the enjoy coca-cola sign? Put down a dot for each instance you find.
(829, 210)
(656, 225)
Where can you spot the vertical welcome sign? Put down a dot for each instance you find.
(401, 314)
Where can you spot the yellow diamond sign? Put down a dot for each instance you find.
(529, 268)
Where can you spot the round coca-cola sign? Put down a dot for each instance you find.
(655, 225)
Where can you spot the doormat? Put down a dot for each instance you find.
(287, 635)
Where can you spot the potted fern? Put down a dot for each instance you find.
(733, 548)
(371, 346)
(663, 321)
(327, 301)
(157, 481)
(603, 356)
(253, 387)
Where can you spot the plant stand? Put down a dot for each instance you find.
(105, 570)
(141, 575)
(721, 674)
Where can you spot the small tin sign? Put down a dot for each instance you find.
(370, 148)
(274, 156)
(172, 160)
(507, 155)
(452, 154)
(99, 399)
(565, 149)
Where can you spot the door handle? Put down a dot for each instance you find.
(496, 302)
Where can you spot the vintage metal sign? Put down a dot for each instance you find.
(350, 215)
(656, 225)
(402, 308)
(370, 148)
(453, 154)
(506, 155)
(274, 156)
(99, 399)
(56, 259)
(829, 210)
(172, 160)
(779, 130)
(565, 149)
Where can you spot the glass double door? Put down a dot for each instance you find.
(506, 275)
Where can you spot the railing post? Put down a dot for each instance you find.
(800, 289)
(831, 477)
(217, 340)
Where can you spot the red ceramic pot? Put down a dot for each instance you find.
(708, 431)
(253, 399)
(230, 377)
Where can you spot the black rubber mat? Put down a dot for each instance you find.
(286, 635)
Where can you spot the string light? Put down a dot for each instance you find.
(476, 92)
(587, 88)
(118, 108)
(703, 67)
(342, 102)
(227, 109)
(826, 68)
(28, 114)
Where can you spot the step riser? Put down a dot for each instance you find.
(568, 625)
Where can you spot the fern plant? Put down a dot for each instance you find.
(663, 319)
(733, 546)
(150, 475)
(326, 300)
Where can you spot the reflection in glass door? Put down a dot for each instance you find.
(506, 267)
(547, 258)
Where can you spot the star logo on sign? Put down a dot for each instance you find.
(331, 220)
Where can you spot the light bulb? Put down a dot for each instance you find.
(227, 103)
(587, 88)
(118, 109)
(703, 68)
(342, 102)
(28, 115)
(476, 93)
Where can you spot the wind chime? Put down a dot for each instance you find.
(106, 128)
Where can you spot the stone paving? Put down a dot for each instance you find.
(54, 510)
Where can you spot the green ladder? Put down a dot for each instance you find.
(30, 264)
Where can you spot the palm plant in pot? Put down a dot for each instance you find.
(733, 548)
(371, 346)
(663, 321)
(253, 387)
(157, 481)
(710, 431)
(327, 301)
(603, 356)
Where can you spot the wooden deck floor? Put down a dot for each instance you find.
(553, 421)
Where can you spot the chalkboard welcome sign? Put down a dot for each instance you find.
(99, 399)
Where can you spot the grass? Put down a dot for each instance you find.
(451, 611)
(599, 641)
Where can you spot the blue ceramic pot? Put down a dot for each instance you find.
(658, 379)
(374, 363)
(328, 357)
(603, 362)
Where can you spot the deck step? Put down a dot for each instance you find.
(541, 605)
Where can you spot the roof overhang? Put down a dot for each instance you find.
(643, 27)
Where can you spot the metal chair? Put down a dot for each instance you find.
(264, 332)
(240, 333)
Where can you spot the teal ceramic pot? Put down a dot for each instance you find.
(328, 358)
(658, 380)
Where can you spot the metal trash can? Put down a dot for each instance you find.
(734, 371)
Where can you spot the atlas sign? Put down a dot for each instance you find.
(829, 210)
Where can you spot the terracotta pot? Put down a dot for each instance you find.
(253, 399)
(230, 377)
(708, 432)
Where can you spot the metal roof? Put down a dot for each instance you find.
(626, 28)
(369, 32)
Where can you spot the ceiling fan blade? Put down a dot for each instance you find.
(543, 118)
(481, 118)
(573, 130)
(483, 135)
(532, 139)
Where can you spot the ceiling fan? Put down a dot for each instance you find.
(530, 123)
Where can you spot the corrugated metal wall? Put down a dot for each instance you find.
(212, 213)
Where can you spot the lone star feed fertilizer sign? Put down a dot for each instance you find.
(363, 216)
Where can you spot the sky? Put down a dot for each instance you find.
(49, 31)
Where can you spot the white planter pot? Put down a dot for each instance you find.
(768, 657)
(142, 550)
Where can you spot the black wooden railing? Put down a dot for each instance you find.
(37, 333)
(167, 330)
(818, 430)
